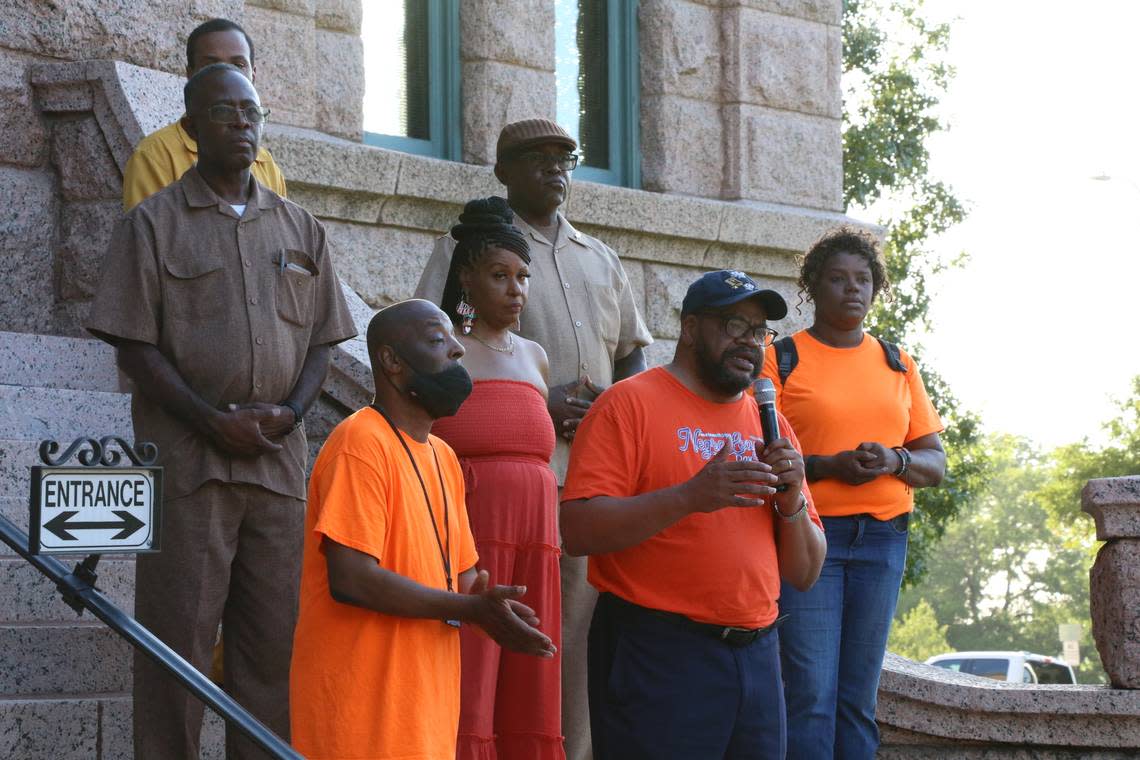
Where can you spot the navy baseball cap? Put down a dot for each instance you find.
(726, 287)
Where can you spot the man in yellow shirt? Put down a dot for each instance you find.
(164, 156)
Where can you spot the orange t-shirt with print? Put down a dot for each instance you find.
(837, 398)
(650, 432)
(364, 684)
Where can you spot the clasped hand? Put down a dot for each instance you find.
(245, 430)
(864, 463)
(567, 408)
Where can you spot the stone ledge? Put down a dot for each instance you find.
(362, 173)
(130, 101)
(1114, 504)
(936, 702)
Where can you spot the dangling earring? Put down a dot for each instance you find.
(465, 310)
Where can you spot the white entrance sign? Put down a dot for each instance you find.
(95, 510)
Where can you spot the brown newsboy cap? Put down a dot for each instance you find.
(523, 134)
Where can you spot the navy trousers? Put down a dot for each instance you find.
(659, 690)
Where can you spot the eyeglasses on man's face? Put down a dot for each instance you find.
(739, 327)
(566, 162)
(223, 114)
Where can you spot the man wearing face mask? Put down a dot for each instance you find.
(388, 573)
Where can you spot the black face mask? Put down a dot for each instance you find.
(440, 393)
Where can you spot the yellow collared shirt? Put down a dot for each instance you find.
(164, 156)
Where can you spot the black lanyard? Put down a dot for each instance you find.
(444, 553)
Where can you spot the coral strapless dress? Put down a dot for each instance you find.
(511, 703)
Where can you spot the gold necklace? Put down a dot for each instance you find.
(510, 347)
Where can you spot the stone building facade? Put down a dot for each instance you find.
(741, 153)
(741, 167)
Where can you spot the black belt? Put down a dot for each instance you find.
(731, 635)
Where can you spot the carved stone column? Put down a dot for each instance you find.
(1114, 581)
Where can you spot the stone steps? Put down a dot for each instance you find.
(27, 596)
(65, 678)
(62, 414)
(50, 361)
(63, 728)
(82, 657)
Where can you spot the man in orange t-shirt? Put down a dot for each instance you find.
(375, 670)
(673, 494)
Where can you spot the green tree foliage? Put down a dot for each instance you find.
(895, 72)
(917, 634)
(1076, 464)
(1009, 570)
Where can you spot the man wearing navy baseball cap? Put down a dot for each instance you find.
(672, 493)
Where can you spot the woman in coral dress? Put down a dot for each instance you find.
(510, 703)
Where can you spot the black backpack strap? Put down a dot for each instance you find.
(894, 358)
(786, 357)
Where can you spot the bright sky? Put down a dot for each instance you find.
(1040, 329)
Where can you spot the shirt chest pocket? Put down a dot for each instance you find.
(296, 285)
(195, 289)
(605, 305)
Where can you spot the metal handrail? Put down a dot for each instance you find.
(79, 592)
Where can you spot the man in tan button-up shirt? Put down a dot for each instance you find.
(222, 302)
(582, 311)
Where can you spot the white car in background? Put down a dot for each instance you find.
(1015, 667)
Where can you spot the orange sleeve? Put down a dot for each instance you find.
(604, 457)
(924, 418)
(804, 488)
(354, 505)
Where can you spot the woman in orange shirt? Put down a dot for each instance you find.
(510, 704)
(869, 436)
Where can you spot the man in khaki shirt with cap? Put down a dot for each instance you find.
(582, 311)
(222, 302)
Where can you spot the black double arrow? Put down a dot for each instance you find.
(60, 527)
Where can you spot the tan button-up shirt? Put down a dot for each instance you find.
(234, 303)
(580, 307)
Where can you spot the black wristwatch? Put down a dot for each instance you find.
(298, 417)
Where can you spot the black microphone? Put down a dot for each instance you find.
(766, 400)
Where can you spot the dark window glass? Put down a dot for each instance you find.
(1049, 673)
(594, 83)
(416, 106)
(987, 668)
(597, 84)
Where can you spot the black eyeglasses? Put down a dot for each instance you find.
(223, 114)
(737, 327)
(565, 162)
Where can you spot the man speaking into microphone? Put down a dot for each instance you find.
(672, 491)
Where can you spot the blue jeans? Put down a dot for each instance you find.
(832, 643)
(659, 691)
